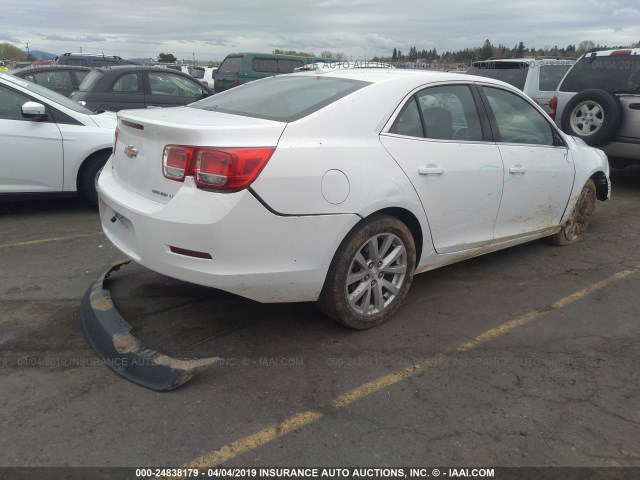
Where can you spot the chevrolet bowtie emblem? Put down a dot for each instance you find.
(130, 151)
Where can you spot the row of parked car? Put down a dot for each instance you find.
(595, 98)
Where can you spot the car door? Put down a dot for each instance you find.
(169, 89)
(538, 170)
(31, 150)
(442, 143)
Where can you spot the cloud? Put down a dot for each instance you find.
(7, 37)
(627, 12)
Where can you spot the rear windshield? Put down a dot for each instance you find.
(90, 80)
(514, 73)
(196, 72)
(283, 98)
(231, 65)
(616, 74)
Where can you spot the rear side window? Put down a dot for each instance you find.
(127, 83)
(513, 73)
(231, 66)
(269, 65)
(282, 98)
(287, 66)
(275, 65)
(616, 74)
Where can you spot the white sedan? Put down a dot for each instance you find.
(50, 144)
(338, 187)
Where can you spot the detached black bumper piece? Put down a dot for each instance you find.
(108, 334)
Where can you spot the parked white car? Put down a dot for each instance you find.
(339, 186)
(50, 144)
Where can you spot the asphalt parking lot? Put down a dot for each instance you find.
(525, 357)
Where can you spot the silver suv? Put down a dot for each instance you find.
(598, 101)
(537, 77)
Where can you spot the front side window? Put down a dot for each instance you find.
(167, 83)
(517, 120)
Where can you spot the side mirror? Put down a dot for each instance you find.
(34, 110)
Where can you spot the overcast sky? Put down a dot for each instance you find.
(212, 28)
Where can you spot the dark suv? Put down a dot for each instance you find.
(598, 101)
(90, 60)
(121, 87)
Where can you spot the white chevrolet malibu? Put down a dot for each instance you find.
(338, 187)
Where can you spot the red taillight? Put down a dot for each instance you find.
(204, 82)
(553, 105)
(115, 142)
(237, 82)
(228, 169)
(621, 52)
(176, 160)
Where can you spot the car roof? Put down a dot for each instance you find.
(613, 51)
(40, 68)
(375, 75)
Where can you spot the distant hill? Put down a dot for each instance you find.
(40, 55)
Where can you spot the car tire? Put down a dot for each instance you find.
(89, 177)
(593, 115)
(370, 274)
(574, 228)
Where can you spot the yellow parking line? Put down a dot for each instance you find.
(52, 239)
(299, 420)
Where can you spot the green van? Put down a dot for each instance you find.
(239, 68)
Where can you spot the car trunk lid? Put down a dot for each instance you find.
(143, 135)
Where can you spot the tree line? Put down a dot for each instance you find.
(488, 50)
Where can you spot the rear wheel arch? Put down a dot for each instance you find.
(89, 168)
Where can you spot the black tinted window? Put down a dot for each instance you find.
(619, 73)
(287, 66)
(514, 73)
(265, 65)
(231, 66)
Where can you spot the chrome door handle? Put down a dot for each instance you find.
(518, 169)
(431, 170)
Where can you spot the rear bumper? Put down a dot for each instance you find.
(247, 250)
(108, 334)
